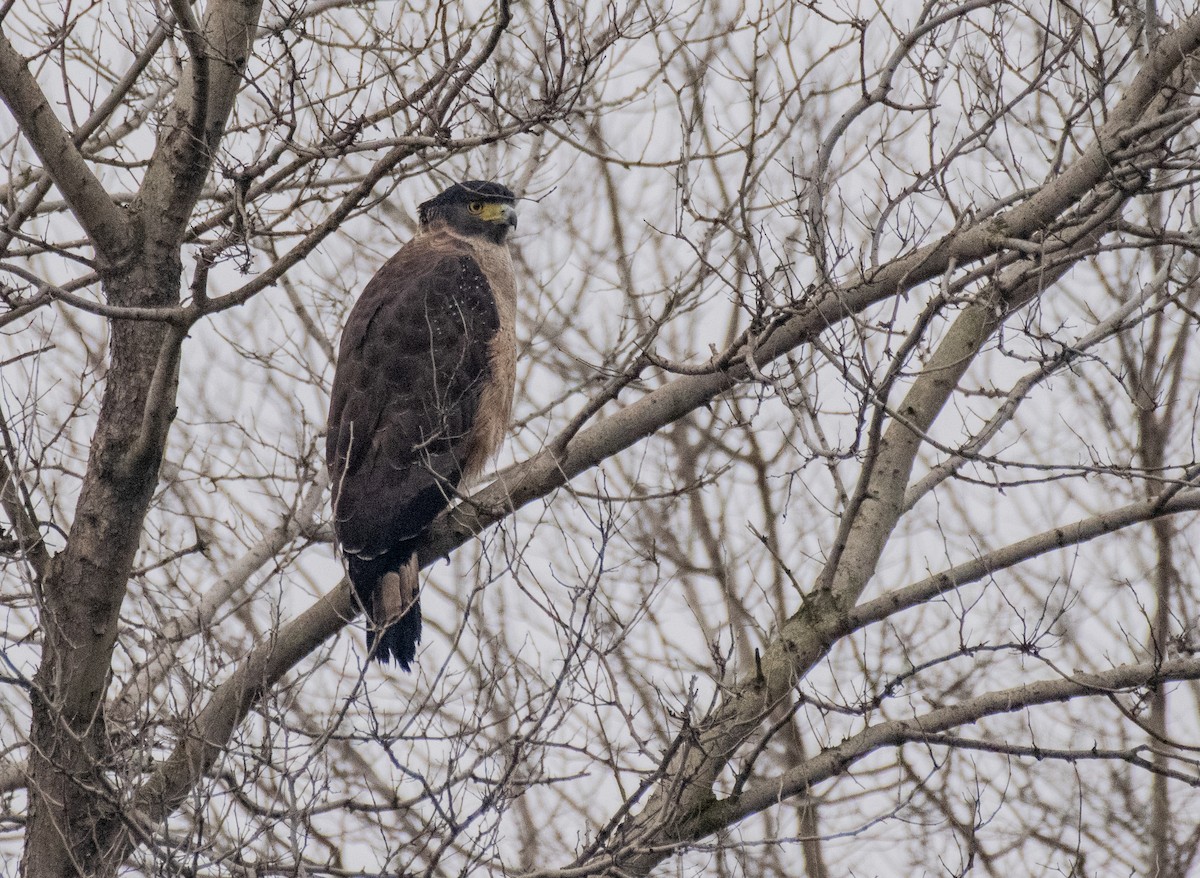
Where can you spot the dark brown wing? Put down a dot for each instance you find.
(412, 365)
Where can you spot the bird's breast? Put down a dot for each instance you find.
(495, 402)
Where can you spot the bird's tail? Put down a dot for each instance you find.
(387, 587)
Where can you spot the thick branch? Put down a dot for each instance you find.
(198, 50)
(99, 116)
(105, 223)
(197, 118)
(868, 524)
(1109, 326)
(834, 761)
(1073, 534)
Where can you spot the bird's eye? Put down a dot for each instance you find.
(475, 207)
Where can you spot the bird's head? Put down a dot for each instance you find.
(474, 207)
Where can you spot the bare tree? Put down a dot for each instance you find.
(843, 525)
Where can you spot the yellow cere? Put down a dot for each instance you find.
(493, 212)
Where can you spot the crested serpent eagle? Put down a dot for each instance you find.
(421, 398)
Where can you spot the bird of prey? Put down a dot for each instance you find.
(421, 398)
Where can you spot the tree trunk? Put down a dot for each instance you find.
(74, 808)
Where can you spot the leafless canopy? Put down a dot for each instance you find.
(844, 525)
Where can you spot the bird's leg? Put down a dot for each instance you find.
(397, 593)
